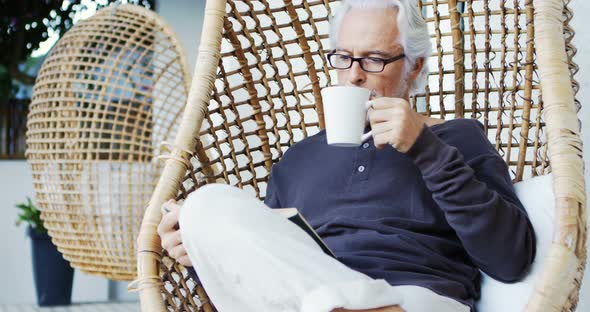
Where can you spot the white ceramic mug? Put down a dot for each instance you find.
(345, 113)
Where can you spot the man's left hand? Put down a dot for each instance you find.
(393, 122)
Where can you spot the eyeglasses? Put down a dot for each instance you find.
(368, 64)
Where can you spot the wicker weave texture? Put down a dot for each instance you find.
(266, 97)
(109, 92)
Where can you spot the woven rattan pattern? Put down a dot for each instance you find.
(266, 96)
(109, 92)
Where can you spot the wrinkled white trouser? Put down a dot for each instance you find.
(250, 259)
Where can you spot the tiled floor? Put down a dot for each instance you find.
(86, 307)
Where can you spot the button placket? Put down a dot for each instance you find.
(364, 161)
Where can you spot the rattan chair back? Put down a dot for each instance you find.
(261, 67)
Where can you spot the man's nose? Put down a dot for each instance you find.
(356, 75)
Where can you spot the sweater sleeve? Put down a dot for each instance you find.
(479, 203)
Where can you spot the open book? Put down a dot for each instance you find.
(294, 216)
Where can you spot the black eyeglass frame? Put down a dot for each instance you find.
(359, 59)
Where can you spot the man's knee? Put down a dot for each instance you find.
(215, 207)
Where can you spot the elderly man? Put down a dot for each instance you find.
(413, 215)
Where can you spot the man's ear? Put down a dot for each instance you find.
(417, 68)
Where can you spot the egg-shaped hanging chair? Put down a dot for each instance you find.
(260, 68)
(107, 95)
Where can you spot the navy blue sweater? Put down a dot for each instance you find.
(431, 217)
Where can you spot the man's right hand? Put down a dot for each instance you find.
(170, 233)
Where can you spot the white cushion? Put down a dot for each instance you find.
(536, 195)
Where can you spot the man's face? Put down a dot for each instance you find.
(372, 32)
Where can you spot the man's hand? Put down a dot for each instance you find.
(393, 122)
(170, 234)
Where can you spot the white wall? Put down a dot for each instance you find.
(17, 277)
(581, 25)
(186, 18)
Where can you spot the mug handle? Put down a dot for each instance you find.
(366, 136)
(369, 134)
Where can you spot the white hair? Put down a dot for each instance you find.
(414, 36)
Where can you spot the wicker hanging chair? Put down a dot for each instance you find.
(259, 72)
(109, 92)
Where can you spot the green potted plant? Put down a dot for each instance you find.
(53, 275)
